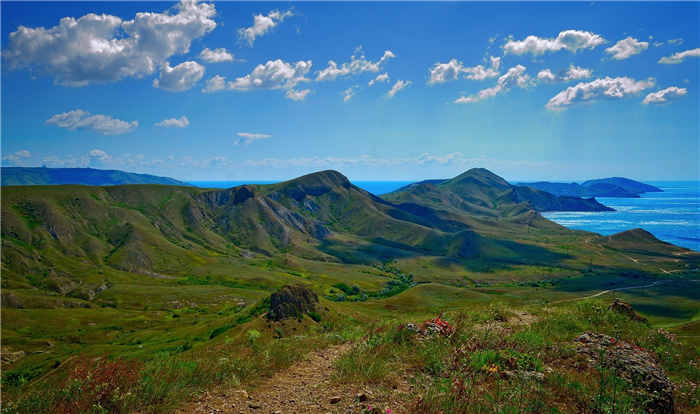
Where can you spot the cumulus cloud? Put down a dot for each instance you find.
(216, 55)
(295, 95)
(400, 84)
(275, 74)
(626, 48)
(571, 40)
(247, 138)
(350, 92)
(104, 48)
(174, 123)
(104, 124)
(448, 72)
(515, 76)
(17, 157)
(358, 64)
(215, 84)
(564, 75)
(384, 77)
(261, 25)
(599, 89)
(679, 57)
(99, 154)
(665, 96)
(180, 78)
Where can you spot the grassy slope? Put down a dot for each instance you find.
(141, 270)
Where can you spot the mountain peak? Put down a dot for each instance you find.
(480, 176)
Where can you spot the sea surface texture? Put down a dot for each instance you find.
(672, 216)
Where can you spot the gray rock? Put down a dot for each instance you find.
(292, 302)
(638, 366)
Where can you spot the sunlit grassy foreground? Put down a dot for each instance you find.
(498, 360)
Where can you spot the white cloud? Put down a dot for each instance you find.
(384, 77)
(350, 92)
(448, 72)
(606, 88)
(358, 64)
(17, 157)
(680, 56)
(247, 138)
(101, 158)
(564, 75)
(665, 96)
(626, 48)
(295, 95)
(99, 154)
(275, 74)
(571, 40)
(104, 124)
(216, 55)
(400, 84)
(675, 42)
(515, 76)
(657, 44)
(172, 122)
(180, 78)
(261, 25)
(215, 84)
(104, 48)
(368, 161)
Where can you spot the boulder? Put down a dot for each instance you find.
(292, 301)
(638, 366)
(624, 308)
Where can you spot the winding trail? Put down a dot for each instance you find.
(308, 386)
(660, 282)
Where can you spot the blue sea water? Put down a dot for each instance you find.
(672, 216)
(374, 187)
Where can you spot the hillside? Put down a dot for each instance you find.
(616, 187)
(479, 191)
(578, 190)
(180, 274)
(78, 176)
(624, 183)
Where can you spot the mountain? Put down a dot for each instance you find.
(79, 176)
(147, 270)
(626, 184)
(607, 187)
(480, 192)
(577, 190)
(51, 235)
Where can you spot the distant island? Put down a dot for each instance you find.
(79, 176)
(617, 187)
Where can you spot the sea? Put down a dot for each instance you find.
(672, 216)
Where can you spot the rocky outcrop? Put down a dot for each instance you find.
(624, 308)
(638, 366)
(291, 302)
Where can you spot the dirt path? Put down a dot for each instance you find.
(305, 387)
(613, 290)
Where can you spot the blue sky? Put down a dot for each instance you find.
(246, 91)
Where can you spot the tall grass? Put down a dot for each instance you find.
(105, 385)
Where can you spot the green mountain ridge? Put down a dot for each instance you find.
(78, 176)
